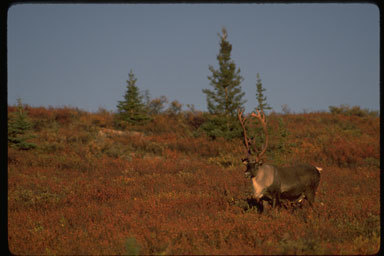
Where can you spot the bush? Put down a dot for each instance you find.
(195, 119)
(102, 118)
(345, 109)
(131, 246)
(174, 108)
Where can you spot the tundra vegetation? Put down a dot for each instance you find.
(165, 187)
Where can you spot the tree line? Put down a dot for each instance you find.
(224, 97)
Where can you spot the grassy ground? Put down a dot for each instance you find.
(165, 189)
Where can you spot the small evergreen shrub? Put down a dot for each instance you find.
(19, 127)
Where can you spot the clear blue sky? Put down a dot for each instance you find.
(309, 56)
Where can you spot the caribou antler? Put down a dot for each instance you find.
(242, 122)
(248, 142)
(261, 116)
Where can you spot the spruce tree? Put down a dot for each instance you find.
(132, 109)
(257, 131)
(19, 128)
(261, 99)
(226, 96)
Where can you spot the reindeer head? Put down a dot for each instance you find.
(254, 158)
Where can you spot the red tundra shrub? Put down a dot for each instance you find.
(84, 192)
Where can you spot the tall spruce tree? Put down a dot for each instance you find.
(132, 109)
(261, 99)
(226, 96)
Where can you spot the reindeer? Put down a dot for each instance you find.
(272, 183)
